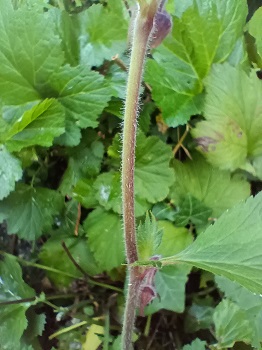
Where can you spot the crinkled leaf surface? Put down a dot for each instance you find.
(82, 92)
(231, 247)
(205, 34)
(105, 238)
(12, 287)
(53, 255)
(29, 211)
(29, 53)
(192, 210)
(231, 325)
(10, 172)
(36, 126)
(230, 137)
(104, 33)
(214, 188)
(69, 30)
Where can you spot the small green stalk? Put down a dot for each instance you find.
(142, 29)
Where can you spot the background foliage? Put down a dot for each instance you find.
(199, 157)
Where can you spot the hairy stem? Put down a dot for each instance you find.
(142, 29)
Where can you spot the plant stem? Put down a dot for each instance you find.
(142, 29)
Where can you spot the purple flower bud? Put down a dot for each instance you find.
(162, 26)
(147, 294)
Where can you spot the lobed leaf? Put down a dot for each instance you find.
(230, 137)
(104, 33)
(204, 33)
(29, 53)
(10, 172)
(29, 211)
(209, 187)
(231, 325)
(38, 125)
(105, 238)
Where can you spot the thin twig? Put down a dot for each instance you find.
(122, 65)
(181, 140)
(73, 260)
(78, 219)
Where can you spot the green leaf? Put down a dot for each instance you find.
(153, 176)
(107, 188)
(100, 39)
(84, 193)
(29, 53)
(254, 29)
(117, 78)
(174, 239)
(29, 211)
(36, 325)
(199, 316)
(105, 238)
(36, 126)
(82, 92)
(72, 135)
(230, 137)
(148, 237)
(13, 320)
(152, 173)
(192, 210)
(231, 325)
(67, 221)
(170, 280)
(247, 301)
(68, 28)
(53, 255)
(164, 211)
(240, 295)
(170, 286)
(206, 33)
(108, 191)
(84, 162)
(197, 344)
(10, 172)
(231, 247)
(213, 188)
